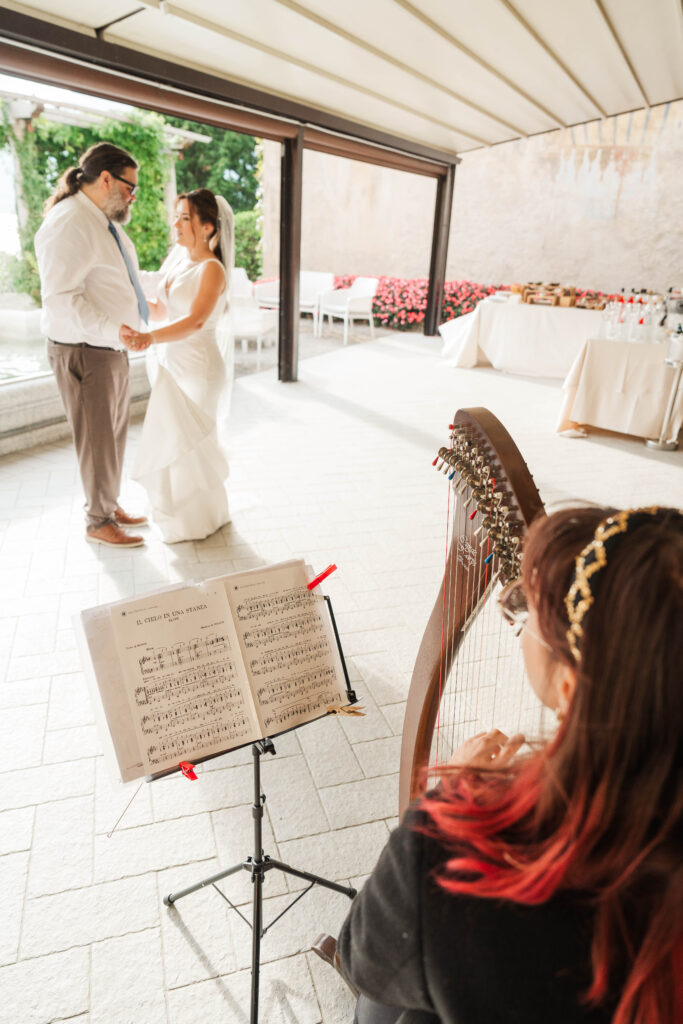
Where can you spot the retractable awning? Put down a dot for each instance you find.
(450, 76)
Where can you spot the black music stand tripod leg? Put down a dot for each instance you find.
(257, 865)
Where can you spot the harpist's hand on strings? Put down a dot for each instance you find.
(136, 341)
(487, 750)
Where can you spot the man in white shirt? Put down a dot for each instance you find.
(88, 272)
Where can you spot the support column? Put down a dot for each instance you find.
(290, 255)
(437, 264)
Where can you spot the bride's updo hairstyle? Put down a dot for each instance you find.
(202, 201)
(103, 156)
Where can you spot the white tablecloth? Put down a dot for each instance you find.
(621, 386)
(537, 341)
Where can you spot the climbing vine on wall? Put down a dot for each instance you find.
(43, 150)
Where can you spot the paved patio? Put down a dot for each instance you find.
(334, 468)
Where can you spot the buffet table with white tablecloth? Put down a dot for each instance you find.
(620, 386)
(537, 341)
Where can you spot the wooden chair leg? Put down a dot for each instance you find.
(326, 948)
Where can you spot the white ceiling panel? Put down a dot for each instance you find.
(85, 15)
(452, 75)
(652, 36)
(198, 47)
(578, 33)
(420, 49)
(305, 42)
(492, 32)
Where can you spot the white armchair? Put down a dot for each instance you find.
(267, 294)
(349, 304)
(250, 322)
(312, 284)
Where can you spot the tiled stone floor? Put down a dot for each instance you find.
(334, 468)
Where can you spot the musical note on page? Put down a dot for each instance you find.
(288, 644)
(186, 680)
(198, 669)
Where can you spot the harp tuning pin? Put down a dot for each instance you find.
(451, 474)
(489, 558)
(473, 514)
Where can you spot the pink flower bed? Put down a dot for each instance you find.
(401, 303)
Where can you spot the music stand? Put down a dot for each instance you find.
(258, 863)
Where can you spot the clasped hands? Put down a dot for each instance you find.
(135, 341)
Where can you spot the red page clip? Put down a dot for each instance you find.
(188, 770)
(323, 575)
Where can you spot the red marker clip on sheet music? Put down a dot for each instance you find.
(188, 770)
(323, 576)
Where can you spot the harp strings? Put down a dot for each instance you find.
(477, 654)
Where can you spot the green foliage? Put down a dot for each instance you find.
(45, 149)
(248, 242)
(59, 146)
(20, 274)
(227, 165)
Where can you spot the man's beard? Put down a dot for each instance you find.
(117, 209)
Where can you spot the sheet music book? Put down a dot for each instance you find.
(199, 669)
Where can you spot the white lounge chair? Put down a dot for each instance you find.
(249, 321)
(312, 284)
(267, 294)
(349, 304)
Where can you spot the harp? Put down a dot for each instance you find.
(469, 674)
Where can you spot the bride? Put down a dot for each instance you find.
(179, 460)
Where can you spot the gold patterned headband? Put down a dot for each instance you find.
(592, 559)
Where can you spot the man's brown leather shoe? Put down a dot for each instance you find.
(113, 536)
(124, 519)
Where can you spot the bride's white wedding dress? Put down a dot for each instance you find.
(179, 461)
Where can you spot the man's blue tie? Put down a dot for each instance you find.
(132, 274)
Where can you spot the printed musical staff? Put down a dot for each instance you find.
(182, 653)
(281, 630)
(286, 658)
(303, 686)
(286, 715)
(189, 683)
(204, 709)
(255, 608)
(176, 745)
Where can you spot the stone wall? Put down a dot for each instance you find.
(599, 205)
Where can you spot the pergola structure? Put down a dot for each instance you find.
(407, 84)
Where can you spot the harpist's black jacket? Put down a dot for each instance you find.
(407, 942)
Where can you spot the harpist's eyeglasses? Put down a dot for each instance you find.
(515, 610)
(513, 603)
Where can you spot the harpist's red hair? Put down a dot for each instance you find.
(600, 810)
